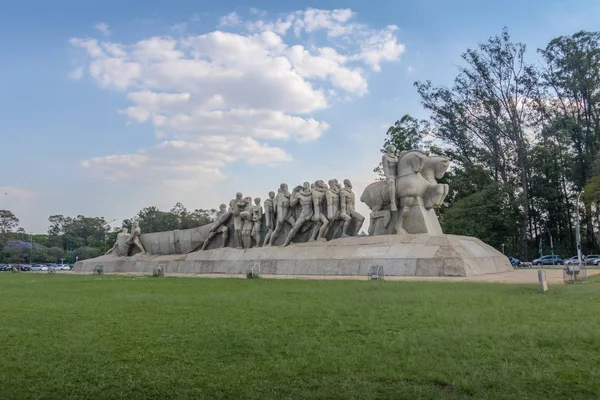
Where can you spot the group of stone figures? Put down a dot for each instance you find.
(313, 207)
(132, 240)
(410, 179)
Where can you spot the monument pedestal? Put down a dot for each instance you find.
(399, 255)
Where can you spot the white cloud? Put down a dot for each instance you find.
(231, 19)
(76, 73)
(381, 46)
(211, 98)
(104, 28)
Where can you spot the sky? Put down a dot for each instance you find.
(108, 106)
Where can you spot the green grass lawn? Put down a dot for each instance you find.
(87, 337)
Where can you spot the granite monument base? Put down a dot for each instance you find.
(398, 255)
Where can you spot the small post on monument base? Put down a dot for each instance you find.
(542, 280)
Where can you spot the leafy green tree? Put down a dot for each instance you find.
(486, 214)
(485, 116)
(406, 134)
(8, 222)
(571, 76)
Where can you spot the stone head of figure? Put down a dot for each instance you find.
(248, 200)
(320, 184)
(125, 230)
(136, 224)
(239, 195)
(223, 207)
(347, 183)
(271, 195)
(257, 201)
(390, 149)
(306, 185)
(283, 188)
(333, 184)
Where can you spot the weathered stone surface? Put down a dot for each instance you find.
(400, 255)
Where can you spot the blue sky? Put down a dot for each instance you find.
(107, 106)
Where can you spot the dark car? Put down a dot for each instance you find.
(25, 267)
(5, 267)
(548, 260)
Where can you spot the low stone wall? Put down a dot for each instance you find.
(398, 255)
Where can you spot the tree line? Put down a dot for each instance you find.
(81, 237)
(523, 139)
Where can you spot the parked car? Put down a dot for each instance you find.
(592, 259)
(573, 260)
(5, 267)
(548, 260)
(44, 268)
(36, 267)
(62, 267)
(24, 267)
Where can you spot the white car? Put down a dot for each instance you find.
(44, 268)
(63, 267)
(574, 260)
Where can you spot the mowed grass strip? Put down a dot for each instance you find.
(118, 337)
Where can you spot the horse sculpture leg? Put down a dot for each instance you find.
(434, 196)
(405, 204)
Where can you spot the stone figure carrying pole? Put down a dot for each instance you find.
(269, 216)
(282, 210)
(219, 226)
(319, 199)
(302, 195)
(134, 239)
(257, 214)
(115, 247)
(348, 202)
(389, 163)
(236, 206)
(247, 223)
(333, 202)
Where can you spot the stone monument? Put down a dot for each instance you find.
(316, 230)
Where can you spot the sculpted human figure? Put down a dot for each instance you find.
(269, 216)
(319, 204)
(220, 225)
(333, 201)
(236, 206)
(247, 223)
(257, 214)
(348, 211)
(134, 239)
(115, 247)
(389, 163)
(301, 195)
(282, 211)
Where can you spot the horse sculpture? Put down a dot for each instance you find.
(416, 177)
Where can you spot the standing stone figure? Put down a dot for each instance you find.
(247, 223)
(348, 213)
(282, 211)
(115, 248)
(302, 195)
(220, 225)
(389, 162)
(269, 216)
(319, 203)
(134, 239)
(236, 206)
(333, 202)
(257, 214)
